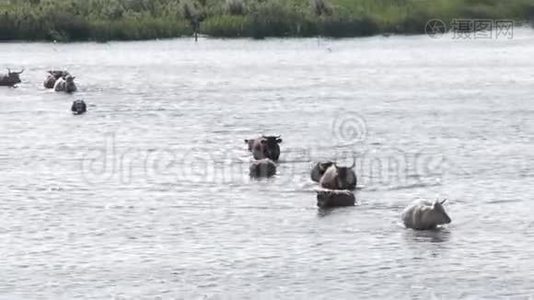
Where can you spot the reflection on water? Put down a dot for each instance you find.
(148, 194)
(438, 235)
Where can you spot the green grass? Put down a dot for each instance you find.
(102, 20)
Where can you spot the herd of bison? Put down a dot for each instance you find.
(59, 81)
(336, 183)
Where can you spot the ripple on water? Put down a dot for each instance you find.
(148, 194)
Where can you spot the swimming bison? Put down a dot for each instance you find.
(11, 79)
(78, 107)
(424, 215)
(331, 198)
(54, 75)
(339, 178)
(262, 168)
(265, 147)
(66, 84)
(319, 169)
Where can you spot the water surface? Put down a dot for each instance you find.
(148, 195)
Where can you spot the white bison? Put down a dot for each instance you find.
(339, 178)
(424, 215)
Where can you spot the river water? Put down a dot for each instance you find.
(147, 195)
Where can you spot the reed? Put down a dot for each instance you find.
(75, 20)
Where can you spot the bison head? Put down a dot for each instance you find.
(346, 177)
(14, 76)
(271, 148)
(438, 213)
(78, 107)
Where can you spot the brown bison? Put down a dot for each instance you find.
(11, 79)
(262, 168)
(78, 107)
(339, 178)
(332, 198)
(265, 147)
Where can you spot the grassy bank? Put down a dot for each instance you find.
(102, 20)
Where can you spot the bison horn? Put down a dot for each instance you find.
(8, 71)
(20, 71)
(353, 163)
(444, 200)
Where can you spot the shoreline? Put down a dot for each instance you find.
(203, 37)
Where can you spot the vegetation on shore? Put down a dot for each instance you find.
(103, 20)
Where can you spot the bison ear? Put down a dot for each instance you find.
(246, 141)
(278, 141)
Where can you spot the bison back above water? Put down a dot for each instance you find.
(335, 198)
(262, 168)
(49, 82)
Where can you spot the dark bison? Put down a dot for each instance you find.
(265, 147)
(332, 198)
(78, 107)
(54, 75)
(319, 169)
(339, 178)
(262, 168)
(11, 79)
